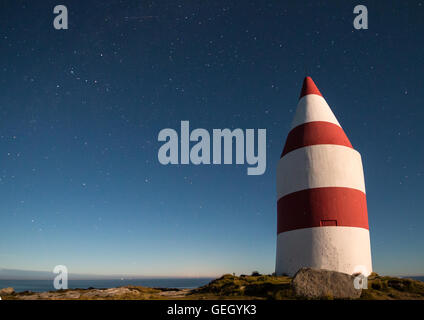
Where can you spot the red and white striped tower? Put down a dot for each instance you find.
(322, 212)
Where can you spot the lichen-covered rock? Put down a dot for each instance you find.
(324, 284)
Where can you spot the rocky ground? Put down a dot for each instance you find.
(307, 284)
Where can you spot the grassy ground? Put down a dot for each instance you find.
(246, 287)
(391, 288)
(279, 288)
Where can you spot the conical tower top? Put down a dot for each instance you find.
(309, 87)
(314, 123)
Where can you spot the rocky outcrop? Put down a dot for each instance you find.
(6, 291)
(324, 284)
(120, 293)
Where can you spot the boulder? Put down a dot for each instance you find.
(324, 284)
(6, 291)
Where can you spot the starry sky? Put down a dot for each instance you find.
(81, 109)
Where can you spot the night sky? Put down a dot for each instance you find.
(81, 109)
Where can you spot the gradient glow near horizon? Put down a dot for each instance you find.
(80, 111)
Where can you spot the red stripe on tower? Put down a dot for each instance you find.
(314, 207)
(316, 132)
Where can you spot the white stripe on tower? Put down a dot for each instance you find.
(322, 170)
(321, 207)
(342, 249)
(319, 112)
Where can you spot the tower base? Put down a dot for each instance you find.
(342, 249)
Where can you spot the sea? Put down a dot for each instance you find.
(416, 278)
(47, 285)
